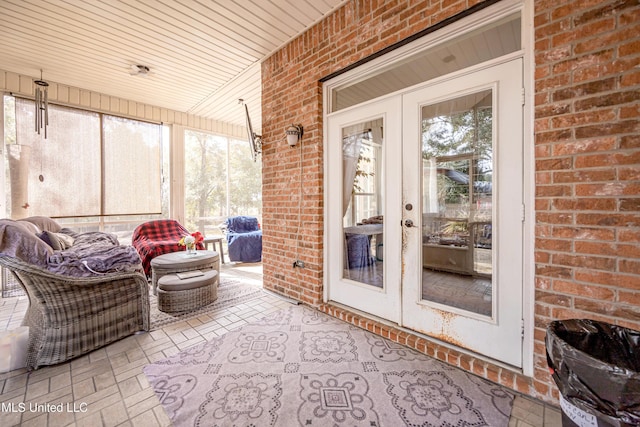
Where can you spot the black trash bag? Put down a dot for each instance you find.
(596, 367)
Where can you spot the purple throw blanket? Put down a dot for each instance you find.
(94, 253)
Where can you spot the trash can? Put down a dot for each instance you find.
(596, 367)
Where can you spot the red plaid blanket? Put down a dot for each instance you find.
(158, 237)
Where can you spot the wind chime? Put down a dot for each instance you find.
(42, 105)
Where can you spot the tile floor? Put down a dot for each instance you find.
(107, 387)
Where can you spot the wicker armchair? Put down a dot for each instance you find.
(72, 316)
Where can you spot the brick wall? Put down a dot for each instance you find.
(587, 161)
(587, 176)
(291, 93)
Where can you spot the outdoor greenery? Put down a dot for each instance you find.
(458, 134)
(221, 180)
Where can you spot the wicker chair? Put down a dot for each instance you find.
(72, 316)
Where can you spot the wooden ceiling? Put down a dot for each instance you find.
(202, 55)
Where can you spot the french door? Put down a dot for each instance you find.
(462, 175)
(424, 214)
(363, 230)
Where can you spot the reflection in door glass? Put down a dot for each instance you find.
(362, 202)
(457, 227)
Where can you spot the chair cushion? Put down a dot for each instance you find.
(58, 241)
(171, 282)
(18, 241)
(44, 223)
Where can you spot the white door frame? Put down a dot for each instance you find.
(470, 23)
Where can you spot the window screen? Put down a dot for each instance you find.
(132, 167)
(86, 166)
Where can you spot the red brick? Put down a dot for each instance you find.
(585, 204)
(631, 266)
(552, 110)
(581, 175)
(554, 244)
(555, 218)
(554, 164)
(553, 299)
(581, 63)
(583, 261)
(590, 88)
(630, 205)
(612, 188)
(630, 112)
(607, 100)
(630, 79)
(553, 190)
(619, 127)
(597, 70)
(572, 120)
(573, 288)
(596, 248)
(631, 141)
(604, 9)
(584, 233)
(632, 298)
(590, 44)
(609, 310)
(553, 271)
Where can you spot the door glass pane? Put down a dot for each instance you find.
(457, 227)
(362, 202)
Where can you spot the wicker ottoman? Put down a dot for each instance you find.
(177, 262)
(176, 294)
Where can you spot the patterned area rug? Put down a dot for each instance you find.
(230, 293)
(301, 367)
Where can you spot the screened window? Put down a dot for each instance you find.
(132, 167)
(91, 164)
(221, 180)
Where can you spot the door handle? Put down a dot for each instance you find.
(408, 223)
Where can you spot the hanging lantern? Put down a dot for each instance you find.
(42, 105)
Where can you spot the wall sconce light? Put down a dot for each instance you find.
(294, 133)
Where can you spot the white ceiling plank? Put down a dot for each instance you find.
(161, 36)
(245, 24)
(203, 54)
(95, 42)
(210, 32)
